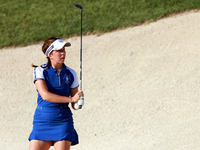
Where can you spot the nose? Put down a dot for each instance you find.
(62, 52)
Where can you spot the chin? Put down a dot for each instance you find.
(62, 61)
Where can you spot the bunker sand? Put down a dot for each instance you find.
(141, 88)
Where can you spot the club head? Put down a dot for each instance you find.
(78, 6)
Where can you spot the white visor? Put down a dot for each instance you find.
(56, 45)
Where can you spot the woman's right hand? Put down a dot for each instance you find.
(77, 96)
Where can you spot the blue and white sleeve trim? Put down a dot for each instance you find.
(38, 74)
(75, 84)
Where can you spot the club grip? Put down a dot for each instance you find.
(79, 104)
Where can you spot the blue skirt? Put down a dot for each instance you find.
(53, 124)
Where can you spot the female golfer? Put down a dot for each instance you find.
(57, 86)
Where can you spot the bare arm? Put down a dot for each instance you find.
(50, 97)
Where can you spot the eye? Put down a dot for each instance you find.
(61, 50)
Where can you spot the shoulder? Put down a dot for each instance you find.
(75, 83)
(39, 69)
(71, 70)
(38, 72)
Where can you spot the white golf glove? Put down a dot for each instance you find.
(79, 104)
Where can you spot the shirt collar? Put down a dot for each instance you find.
(62, 70)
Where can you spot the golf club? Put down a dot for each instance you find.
(80, 103)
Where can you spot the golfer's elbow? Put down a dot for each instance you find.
(45, 96)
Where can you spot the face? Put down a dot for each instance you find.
(58, 56)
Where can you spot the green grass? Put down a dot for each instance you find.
(24, 22)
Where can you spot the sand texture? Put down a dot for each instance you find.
(141, 88)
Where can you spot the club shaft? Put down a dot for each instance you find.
(81, 55)
(81, 8)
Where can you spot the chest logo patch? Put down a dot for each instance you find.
(67, 79)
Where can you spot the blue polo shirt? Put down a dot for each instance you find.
(57, 83)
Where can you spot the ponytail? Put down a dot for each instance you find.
(43, 66)
(45, 46)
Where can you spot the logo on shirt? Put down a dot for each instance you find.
(67, 79)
